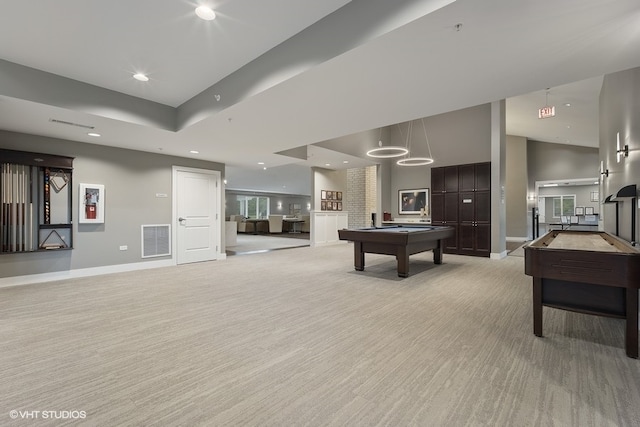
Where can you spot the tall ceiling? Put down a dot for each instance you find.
(266, 77)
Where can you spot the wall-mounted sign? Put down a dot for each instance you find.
(546, 112)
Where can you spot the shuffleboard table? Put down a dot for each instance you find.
(400, 241)
(589, 272)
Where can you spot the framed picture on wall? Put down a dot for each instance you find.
(339, 195)
(339, 206)
(323, 195)
(588, 210)
(329, 195)
(579, 210)
(413, 201)
(595, 196)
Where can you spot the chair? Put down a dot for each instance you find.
(275, 223)
(242, 225)
(306, 225)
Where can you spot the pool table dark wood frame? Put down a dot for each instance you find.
(400, 243)
(591, 282)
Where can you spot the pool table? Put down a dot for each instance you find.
(401, 241)
(590, 272)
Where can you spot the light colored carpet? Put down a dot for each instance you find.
(297, 337)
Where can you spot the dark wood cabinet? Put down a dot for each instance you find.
(461, 198)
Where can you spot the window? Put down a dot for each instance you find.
(253, 206)
(563, 206)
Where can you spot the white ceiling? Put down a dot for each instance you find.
(363, 64)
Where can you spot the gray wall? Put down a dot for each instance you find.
(516, 187)
(620, 112)
(131, 180)
(547, 162)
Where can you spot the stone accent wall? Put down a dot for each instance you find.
(361, 196)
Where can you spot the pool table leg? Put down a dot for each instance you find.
(537, 306)
(437, 253)
(403, 261)
(632, 323)
(358, 258)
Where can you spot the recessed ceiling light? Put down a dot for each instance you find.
(206, 13)
(93, 134)
(345, 161)
(261, 163)
(194, 152)
(327, 164)
(567, 105)
(264, 168)
(141, 77)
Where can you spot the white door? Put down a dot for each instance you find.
(196, 215)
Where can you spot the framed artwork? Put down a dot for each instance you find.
(329, 195)
(91, 204)
(323, 195)
(588, 210)
(338, 195)
(335, 206)
(579, 210)
(329, 206)
(595, 196)
(323, 205)
(339, 206)
(413, 201)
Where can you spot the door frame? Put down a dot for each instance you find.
(174, 209)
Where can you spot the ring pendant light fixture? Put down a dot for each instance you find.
(416, 161)
(388, 151)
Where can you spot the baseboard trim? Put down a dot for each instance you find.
(500, 255)
(83, 272)
(517, 239)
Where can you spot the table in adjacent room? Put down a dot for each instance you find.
(400, 241)
(590, 272)
(294, 222)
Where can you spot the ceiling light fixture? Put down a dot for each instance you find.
(94, 134)
(206, 13)
(141, 77)
(194, 152)
(416, 161)
(386, 152)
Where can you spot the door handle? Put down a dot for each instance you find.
(181, 219)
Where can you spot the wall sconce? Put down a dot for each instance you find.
(624, 151)
(308, 206)
(531, 197)
(279, 205)
(603, 171)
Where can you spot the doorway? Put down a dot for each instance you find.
(196, 214)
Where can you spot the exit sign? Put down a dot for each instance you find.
(546, 112)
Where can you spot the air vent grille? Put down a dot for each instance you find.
(156, 240)
(63, 122)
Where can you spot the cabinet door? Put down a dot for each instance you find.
(483, 177)
(482, 240)
(437, 180)
(451, 207)
(451, 178)
(467, 177)
(450, 245)
(482, 207)
(437, 207)
(467, 207)
(466, 239)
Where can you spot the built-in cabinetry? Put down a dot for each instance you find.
(461, 198)
(35, 202)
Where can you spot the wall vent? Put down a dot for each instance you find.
(63, 122)
(156, 240)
